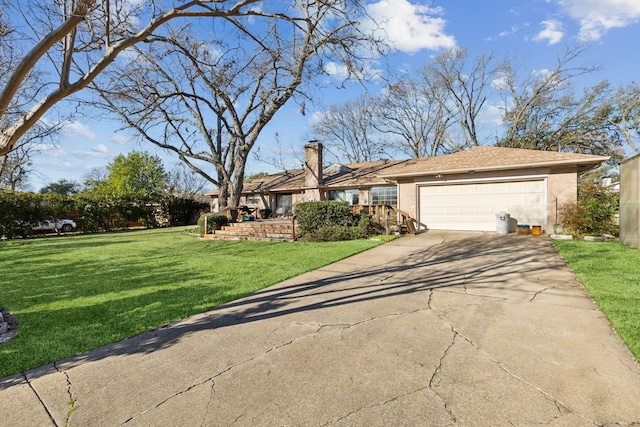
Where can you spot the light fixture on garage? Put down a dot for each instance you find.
(471, 172)
(439, 176)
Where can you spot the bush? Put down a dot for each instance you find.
(594, 214)
(176, 211)
(312, 216)
(332, 221)
(265, 213)
(214, 222)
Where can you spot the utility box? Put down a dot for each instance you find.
(629, 201)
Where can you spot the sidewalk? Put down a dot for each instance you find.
(440, 329)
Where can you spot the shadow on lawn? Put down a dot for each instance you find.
(478, 260)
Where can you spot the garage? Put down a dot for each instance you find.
(473, 206)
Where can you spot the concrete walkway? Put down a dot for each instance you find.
(442, 329)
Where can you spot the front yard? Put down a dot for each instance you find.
(73, 294)
(611, 273)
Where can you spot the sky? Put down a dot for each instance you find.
(537, 32)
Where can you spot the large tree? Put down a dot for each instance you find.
(461, 86)
(139, 176)
(207, 95)
(348, 130)
(62, 46)
(626, 114)
(414, 119)
(543, 112)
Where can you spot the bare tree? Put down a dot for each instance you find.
(14, 169)
(348, 130)
(626, 116)
(542, 112)
(65, 45)
(281, 157)
(415, 119)
(186, 183)
(208, 99)
(461, 89)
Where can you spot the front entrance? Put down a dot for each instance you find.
(284, 205)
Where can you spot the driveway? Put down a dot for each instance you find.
(441, 329)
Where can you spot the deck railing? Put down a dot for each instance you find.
(388, 216)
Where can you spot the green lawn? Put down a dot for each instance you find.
(611, 273)
(73, 294)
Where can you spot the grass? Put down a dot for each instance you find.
(610, 271)
(73, 294)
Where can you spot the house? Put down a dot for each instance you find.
(460, 191)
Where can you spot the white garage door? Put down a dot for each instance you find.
(474, 206)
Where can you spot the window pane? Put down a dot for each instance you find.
(384, 195)
(350, 195)
(253, 199)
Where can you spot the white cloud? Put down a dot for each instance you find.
(337, 70)
(97, 151)
(76, 128)
(409, 27)
(491, 114)
(552, 33)
(596, 17)
(121, 139)
(100, 149)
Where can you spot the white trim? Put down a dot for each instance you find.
(509, 178)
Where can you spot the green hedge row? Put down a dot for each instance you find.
(20, 211)
(329, 221)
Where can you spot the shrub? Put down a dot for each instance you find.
(330, 233)
(214, 222)
(333, 221)
(179, 211)
(594, 213)
(265, 213)
(312, 216)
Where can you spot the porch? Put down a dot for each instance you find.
(245, 224)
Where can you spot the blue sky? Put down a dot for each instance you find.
(536, 31)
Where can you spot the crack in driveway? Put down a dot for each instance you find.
(71, 401)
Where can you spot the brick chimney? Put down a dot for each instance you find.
(313, 164)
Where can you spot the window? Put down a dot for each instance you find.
(253, 199)
(350, 195)
(384, 195)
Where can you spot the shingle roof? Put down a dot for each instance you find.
(492, 158)
(480, 158)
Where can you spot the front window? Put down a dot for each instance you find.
(387, 195)
(253, 199)
(350, 196)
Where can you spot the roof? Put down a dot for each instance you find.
(483, 158)
(334, 176)
(475, 159)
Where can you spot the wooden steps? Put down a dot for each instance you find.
(268, 230)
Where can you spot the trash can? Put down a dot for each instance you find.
(502, 222)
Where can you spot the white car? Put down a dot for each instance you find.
(52, 224)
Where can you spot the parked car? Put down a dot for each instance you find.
(54, 224)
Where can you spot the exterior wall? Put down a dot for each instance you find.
(562, 184)
(629, 202)
(363, 196)
(562, 190)
(407, 198)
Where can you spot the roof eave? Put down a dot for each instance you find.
(591, 163)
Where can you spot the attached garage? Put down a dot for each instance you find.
(465, 190)
(473, 206)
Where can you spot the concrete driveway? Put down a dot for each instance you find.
(441, 329)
